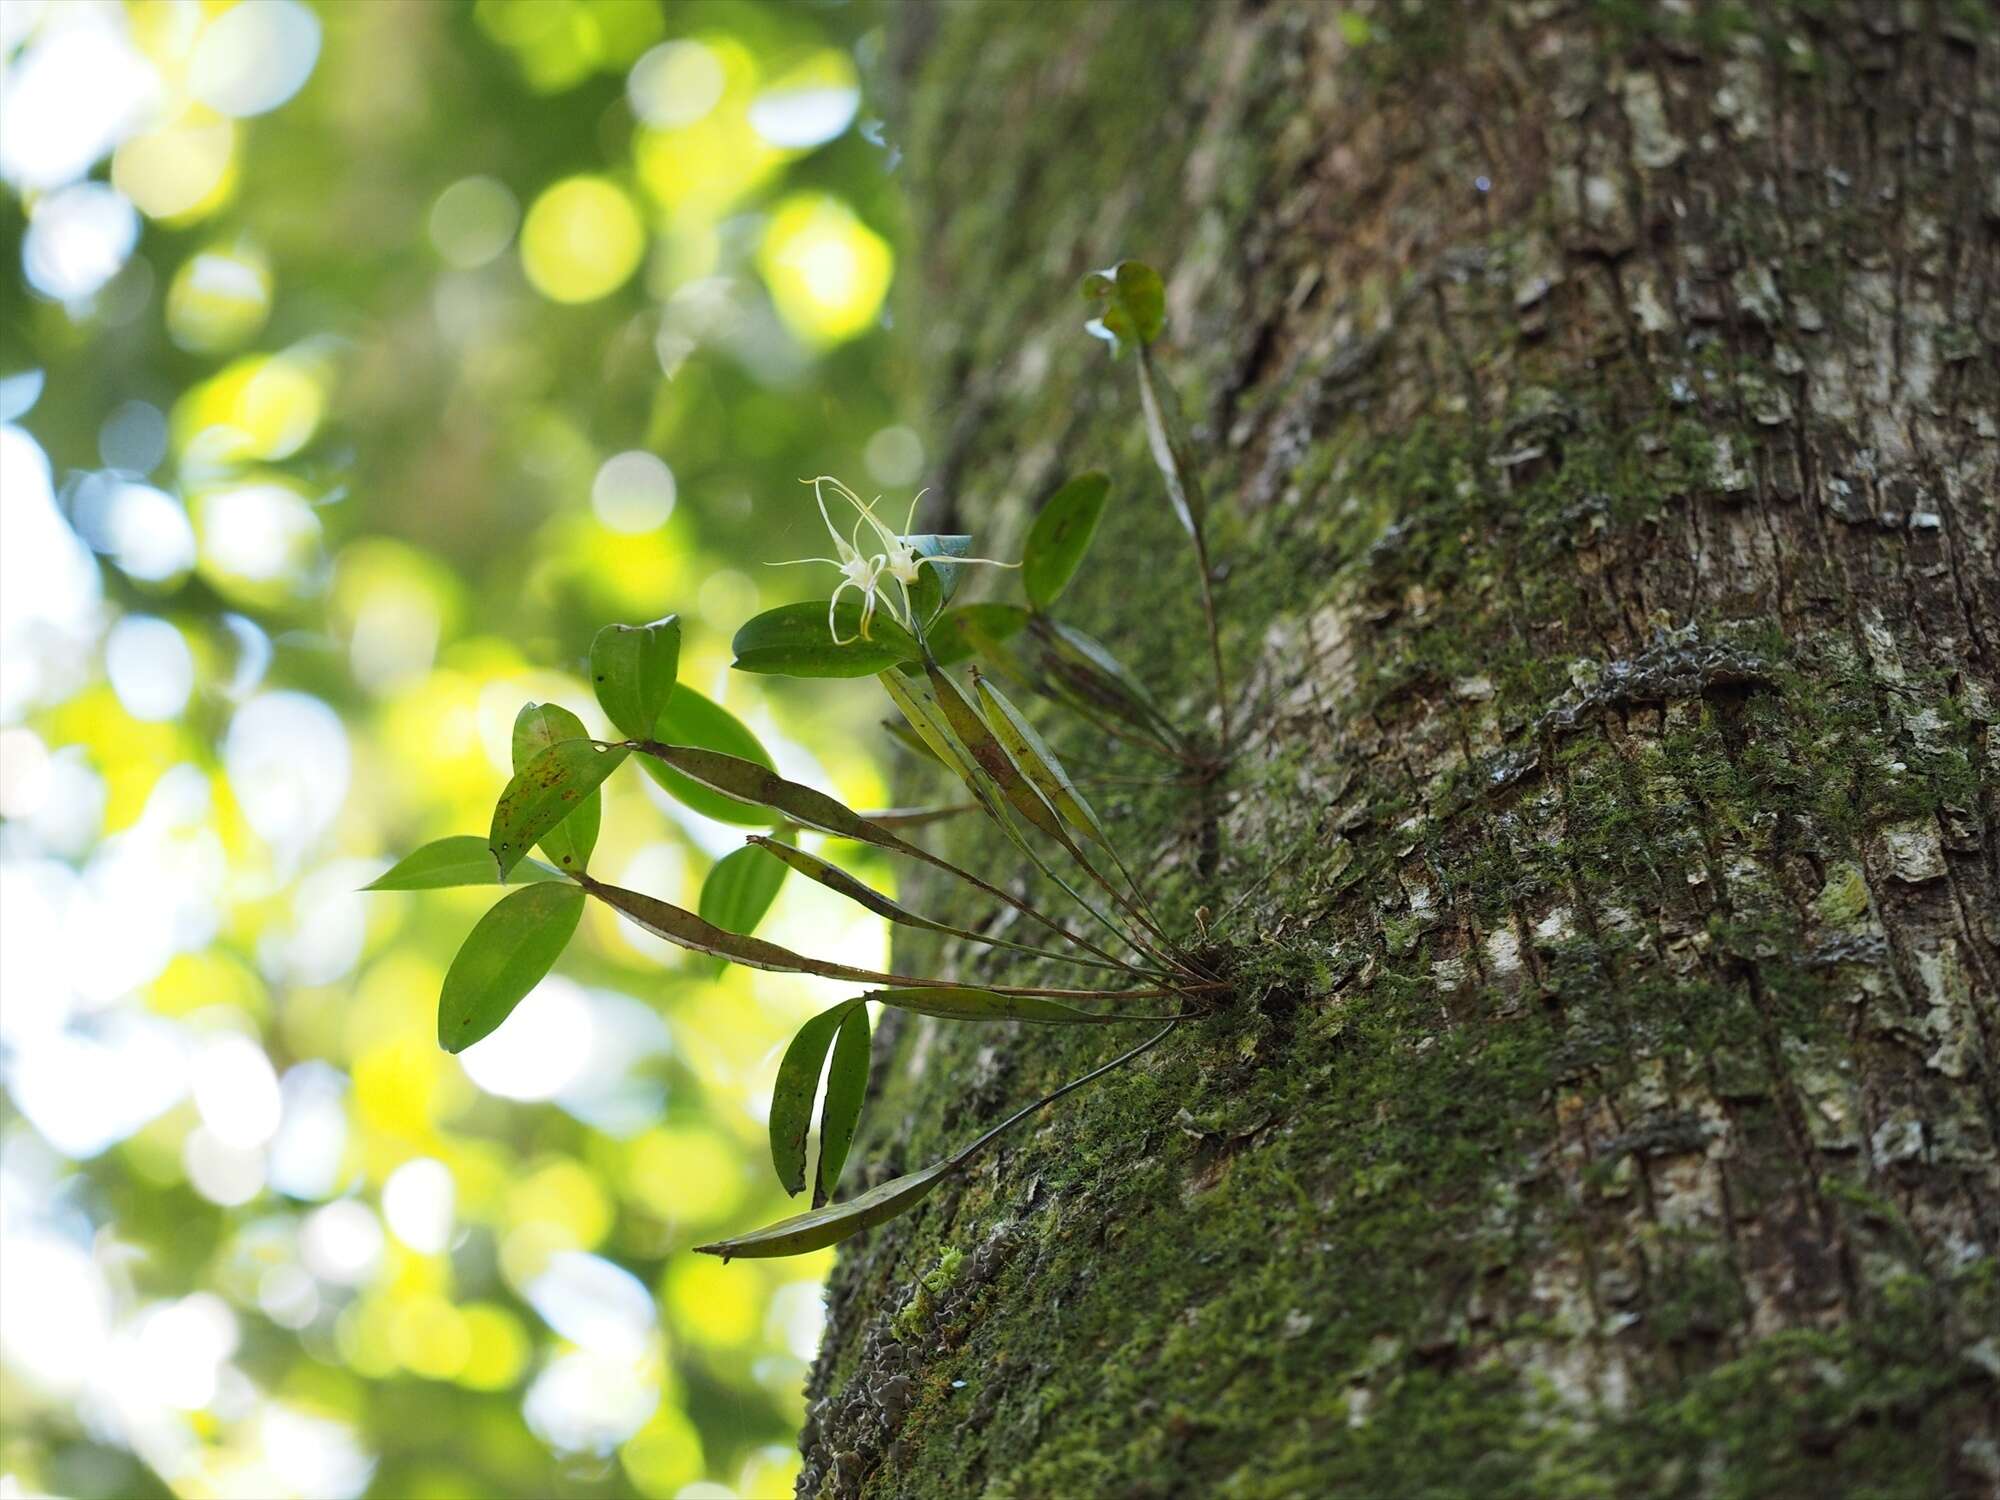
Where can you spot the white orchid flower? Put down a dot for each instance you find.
(900, 560)
(897, 560)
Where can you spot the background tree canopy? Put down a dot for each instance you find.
(363, 360)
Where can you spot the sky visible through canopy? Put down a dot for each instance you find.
(359, 361)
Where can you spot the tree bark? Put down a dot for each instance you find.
(1600, 411)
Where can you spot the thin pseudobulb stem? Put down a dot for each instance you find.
(784, 961)
(966, 1154)
(926, 924)
(938, 861)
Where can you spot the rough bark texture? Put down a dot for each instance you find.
(1601, 414)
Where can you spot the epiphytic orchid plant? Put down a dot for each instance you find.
(889, 616)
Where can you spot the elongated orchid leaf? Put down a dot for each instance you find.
(810, 809)
(544, 792)
(969, 1003)
(513, 946)
(840, 1114)
(831, 1225)
(633, 668)
(1037, 761)
(536, 727)
(1087, 667)
(793, 641)
(462, 859)
(1061, 535)
(684, 929)
(740, 888)
(836, 879)
(918, 698)
(977, 737)
(754, 783)
(918, 701)
(693, 720)
(792, 1095)
(836, 1222)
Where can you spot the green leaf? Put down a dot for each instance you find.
(544, 792)
(684, 929)
(969, 1003)
(536, 727)
(918, 701)
(839, 1221)
(753, 782)
(462, 859)
(1037, 760)
(1133, 302)
(1086, 666)
(504, 957)
(846, 1087)
(938, 581)
(693, 720)
(1060, 536)
(977, 737)
(740, 888)
(959, 633)
(793, 641)
(792, 1095)
(633, 669)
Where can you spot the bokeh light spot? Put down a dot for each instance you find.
(810, 104)
(472, 222)
(675, 84)
(218, 299)
(582, 240)
(181, 171)
(633, 492)
(77, 240)
(827, 271)
(150, 667)
(254, 56)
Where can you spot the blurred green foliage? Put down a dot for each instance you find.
(359, 362)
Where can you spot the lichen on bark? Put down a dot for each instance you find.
(1604, 441)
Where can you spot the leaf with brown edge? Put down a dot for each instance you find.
(692, 719)
(747, 781)
(684, 929)
(837, 1221)
(1032, 753)
(978, 737)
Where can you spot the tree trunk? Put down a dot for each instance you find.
(1600, 411)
